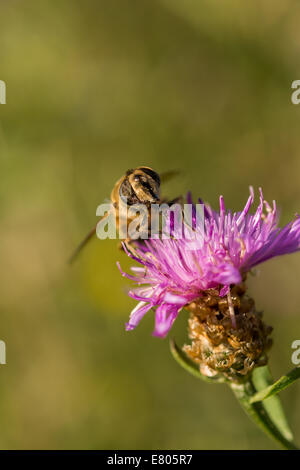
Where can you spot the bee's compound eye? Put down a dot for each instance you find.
(127, 194)
(152, 174)
(125, 189)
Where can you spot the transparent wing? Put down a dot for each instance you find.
(84, 242)
(168, 175)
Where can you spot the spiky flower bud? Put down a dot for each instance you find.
(221, 346)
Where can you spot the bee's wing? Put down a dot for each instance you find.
(86, 239)
(167, 175)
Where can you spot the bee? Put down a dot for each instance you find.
(138, 186)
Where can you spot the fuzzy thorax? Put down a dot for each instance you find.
(222, 347)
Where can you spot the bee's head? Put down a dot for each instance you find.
(145, 183)
(141, 185)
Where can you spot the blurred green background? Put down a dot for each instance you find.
(95, 88)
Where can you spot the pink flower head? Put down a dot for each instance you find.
(227, 245)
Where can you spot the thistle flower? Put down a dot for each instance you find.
(226, 247)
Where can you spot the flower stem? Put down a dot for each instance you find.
(258, 413)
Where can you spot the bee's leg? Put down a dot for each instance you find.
(129, 244)
(178, 199)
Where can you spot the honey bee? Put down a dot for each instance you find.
(138, 186)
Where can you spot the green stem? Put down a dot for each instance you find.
(244, 392)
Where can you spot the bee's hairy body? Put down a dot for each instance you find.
(138, 186)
